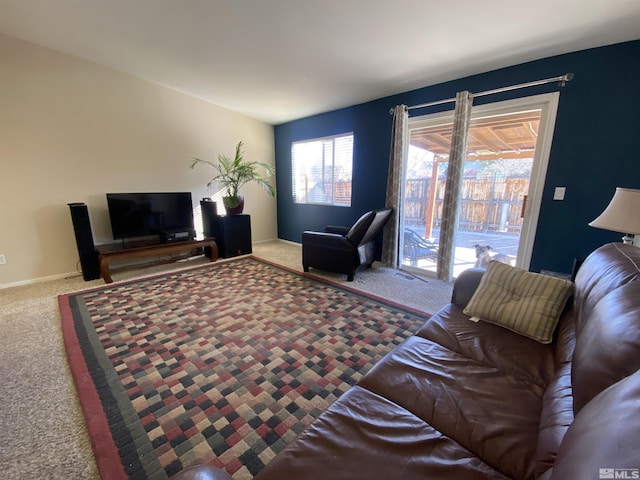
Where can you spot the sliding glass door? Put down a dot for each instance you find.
(505, 163)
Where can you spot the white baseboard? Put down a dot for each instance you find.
(32, 281)
(278, 240)
(61, 276)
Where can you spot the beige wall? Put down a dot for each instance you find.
(72, 130)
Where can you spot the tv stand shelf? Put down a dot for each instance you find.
(114, 252)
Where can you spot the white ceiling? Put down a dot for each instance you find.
(278, 60)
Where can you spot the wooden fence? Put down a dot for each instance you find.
(488, 203)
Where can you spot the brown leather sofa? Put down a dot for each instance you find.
(464, 400)
(343, 249)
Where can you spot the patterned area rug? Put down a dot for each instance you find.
(221, 364)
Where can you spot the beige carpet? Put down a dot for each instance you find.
(43, 430)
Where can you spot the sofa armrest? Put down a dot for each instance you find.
(465, 286)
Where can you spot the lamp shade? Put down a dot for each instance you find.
(622, 214)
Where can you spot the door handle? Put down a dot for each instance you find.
(524, 205)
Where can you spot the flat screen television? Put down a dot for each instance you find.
(143, 214)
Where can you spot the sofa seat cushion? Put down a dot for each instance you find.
(524, 302)
(490, 344)
(363, 435)
(490, 412)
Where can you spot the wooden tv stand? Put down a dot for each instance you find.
(109, 253)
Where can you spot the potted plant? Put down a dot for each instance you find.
(233, 173)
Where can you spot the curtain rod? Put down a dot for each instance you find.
(563, 79)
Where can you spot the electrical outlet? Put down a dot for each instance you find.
(558, 193)
(3, 260)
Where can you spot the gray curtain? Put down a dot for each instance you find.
(395, 179)
(451, 200)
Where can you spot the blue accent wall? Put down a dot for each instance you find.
(596, 147)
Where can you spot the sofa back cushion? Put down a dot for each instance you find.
(604, 435)
(608, 346)
(606, 269)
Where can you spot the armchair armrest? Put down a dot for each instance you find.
(325, 240)
(336, 229)
(465, 286)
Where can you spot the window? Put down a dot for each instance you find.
(321, 170)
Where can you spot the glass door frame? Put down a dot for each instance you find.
(548, 105)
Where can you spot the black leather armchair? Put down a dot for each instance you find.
(344, 250)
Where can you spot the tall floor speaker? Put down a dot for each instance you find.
(84, 241)
(209, 211)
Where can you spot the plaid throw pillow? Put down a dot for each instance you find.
(526, 303)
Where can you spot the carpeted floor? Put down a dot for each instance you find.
(224, 364)
(44, 434)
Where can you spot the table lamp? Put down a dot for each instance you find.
(622, 215)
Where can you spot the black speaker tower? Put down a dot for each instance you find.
(209, 211)
(231, 232)
(84, 241)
